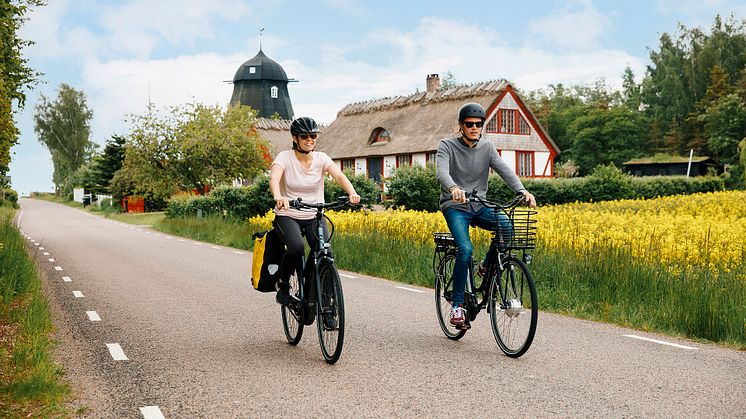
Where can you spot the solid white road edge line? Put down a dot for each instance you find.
(411, 289)
(661, 342)
(151, 412)
(66, 279)
(347, 276)
(215, 247)
(116, 352)
(93, 316)
(237, 252)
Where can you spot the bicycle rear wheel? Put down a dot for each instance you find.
(513, 308)
(330, 320)
(443, 299)
(292, 314)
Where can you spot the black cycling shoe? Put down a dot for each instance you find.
(283, 293)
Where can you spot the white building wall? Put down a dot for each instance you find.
(509, 157)
(419, 158)
(361, 166)
(389, 166)
(540, 161)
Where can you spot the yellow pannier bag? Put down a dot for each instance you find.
(266, 258)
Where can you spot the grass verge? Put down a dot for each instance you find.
(30, 382)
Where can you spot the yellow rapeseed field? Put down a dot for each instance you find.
(681, 231)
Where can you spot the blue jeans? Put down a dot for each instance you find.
(458, 223)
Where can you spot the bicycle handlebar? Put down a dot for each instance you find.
(340, 202)
(472, 196)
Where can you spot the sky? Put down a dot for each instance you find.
(125, 54)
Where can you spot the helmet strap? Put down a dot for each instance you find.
(297, 148)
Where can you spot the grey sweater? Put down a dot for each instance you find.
(457, 164)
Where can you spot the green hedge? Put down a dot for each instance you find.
(369, 191)
(416, 188)
(11, 197)
(242, 202)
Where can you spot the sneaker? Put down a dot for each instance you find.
(458, 316)
(283, 293)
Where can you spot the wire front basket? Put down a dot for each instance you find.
(519, 232)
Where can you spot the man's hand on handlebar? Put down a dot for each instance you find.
(458, 194)
(529, 198)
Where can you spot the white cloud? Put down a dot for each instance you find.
(577, 26)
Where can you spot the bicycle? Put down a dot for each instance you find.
(507, 287)
(324, 286)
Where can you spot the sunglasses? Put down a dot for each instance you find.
(472, 124)
(307, 136)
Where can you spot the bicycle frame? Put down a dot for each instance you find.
(318, 255)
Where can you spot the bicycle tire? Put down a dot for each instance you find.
(292, 314)
(443, 291)
(330, 313)
(514, 309)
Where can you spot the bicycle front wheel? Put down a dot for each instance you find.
(513, 308)
(330, 312)
(443, 296)
(292, 314)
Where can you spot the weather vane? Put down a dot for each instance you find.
(260, 38)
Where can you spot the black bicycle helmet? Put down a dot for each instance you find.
(303, 125)
(471, 110)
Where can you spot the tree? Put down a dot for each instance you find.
(448, 81)
(63, 126)
(605, 136)
(15, 75)
(194, 147)
(107, 163)
(630, 90)
(724, 127)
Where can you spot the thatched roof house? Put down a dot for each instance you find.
(376, 136)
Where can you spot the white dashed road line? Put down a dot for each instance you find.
(411, 289)
(46, 253)
(151, 412)
(58, 268)
(41, 248)
(215, 247)
(347, 276)
(51, 260)
(660, 342)
(237, 252)
(93, 316)
(66, 279)
(78, 294)
(116, 352)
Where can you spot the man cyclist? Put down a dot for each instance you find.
(299, 173)
(463, 165)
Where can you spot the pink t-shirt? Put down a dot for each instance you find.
(297, 182)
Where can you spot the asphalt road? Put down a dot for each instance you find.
(200, 342)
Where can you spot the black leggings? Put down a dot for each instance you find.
(291, 232)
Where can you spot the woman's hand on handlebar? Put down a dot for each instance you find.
(281, 203)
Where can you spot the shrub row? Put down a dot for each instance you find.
(256, 199)
(242, 202)
(417, 188)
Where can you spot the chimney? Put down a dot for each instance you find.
(432, 83)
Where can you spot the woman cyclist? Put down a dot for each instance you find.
(299, 173)
(463, 165)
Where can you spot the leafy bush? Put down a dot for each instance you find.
(415, 187)
(607, 183)
(11, 197)
(369, 191)
(242, 202)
